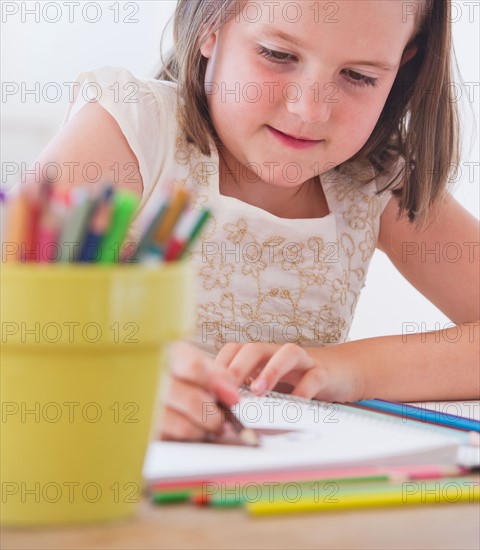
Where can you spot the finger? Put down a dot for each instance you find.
(226, 354)
(318, 383)
(224, 387)
(176, 427)
(188, 363)
(225, 358)
(286, 359)
(195, 405)
(191, 365)
(250, 358)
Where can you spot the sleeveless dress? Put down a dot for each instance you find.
(260, 277)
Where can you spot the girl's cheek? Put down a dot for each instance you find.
(362, 111)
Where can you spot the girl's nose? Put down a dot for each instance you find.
(311, 102)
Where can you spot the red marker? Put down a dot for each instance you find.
(185, 232)
(37, 203)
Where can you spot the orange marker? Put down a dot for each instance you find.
(175, 208)
(15, 228)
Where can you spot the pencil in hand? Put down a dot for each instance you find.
(246, 436)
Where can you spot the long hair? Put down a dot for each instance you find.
(419, 122)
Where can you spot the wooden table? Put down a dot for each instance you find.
(184, 526)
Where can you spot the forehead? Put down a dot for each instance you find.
(385, 22)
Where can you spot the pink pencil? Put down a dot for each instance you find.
(409, 472)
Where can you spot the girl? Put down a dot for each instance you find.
(317, 132)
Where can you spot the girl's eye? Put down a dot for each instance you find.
(276, 57)
(357, 79)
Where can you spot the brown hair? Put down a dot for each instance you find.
(419, 121)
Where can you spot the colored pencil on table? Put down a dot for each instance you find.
(448, 490)
(417, 413)
(203, 492)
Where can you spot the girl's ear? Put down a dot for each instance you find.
(409, 53)
(208, 46)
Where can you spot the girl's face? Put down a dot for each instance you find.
(319, 71)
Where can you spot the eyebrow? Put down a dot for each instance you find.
(277, 33)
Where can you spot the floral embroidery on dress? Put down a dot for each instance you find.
(280, 282)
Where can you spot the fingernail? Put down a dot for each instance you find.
(259, 385)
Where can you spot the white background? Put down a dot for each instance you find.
(37, 48)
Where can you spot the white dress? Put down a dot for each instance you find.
(260, 277)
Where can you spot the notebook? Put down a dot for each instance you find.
(315, 434)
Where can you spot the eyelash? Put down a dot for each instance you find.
(270, 55)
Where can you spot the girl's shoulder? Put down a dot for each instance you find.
(123, 94)
(143, 108)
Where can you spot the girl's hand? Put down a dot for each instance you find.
(195, 384)
(318, 373)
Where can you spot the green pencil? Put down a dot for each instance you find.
(202, 220)
(170, 497)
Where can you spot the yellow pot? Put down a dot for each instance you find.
(80, 364)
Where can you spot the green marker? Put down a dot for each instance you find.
(124, 205)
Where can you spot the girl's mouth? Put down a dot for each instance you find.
(294, 142)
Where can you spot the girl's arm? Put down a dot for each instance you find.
(443, 263)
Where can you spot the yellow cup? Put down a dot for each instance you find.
(80, 365)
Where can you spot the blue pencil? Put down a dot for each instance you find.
(417, 413)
